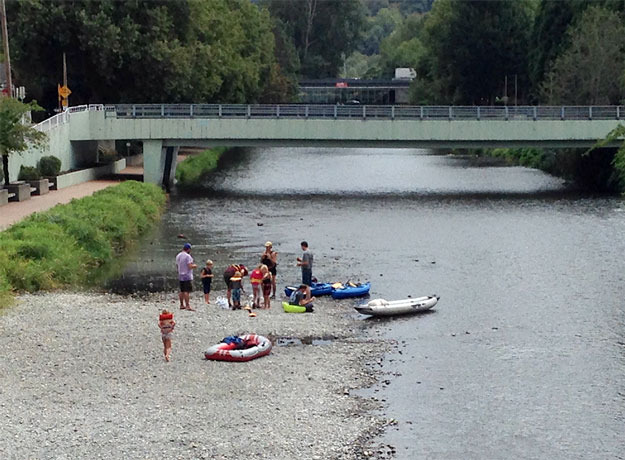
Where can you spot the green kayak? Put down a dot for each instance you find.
(288, 308)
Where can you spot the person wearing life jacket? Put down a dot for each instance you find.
(229, 273)
(166, 324)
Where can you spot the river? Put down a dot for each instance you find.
(523, 357)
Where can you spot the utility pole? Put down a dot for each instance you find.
(5, 43)
(63, 91)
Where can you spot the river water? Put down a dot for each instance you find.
(523, 357)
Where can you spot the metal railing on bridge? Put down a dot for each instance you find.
(365, 112)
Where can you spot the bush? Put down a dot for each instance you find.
(68, 244)
(191, 171)
(28, 173)
(49, 166)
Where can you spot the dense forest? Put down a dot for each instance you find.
(565, 52)
(254, 51)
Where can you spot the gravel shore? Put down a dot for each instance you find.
(83, 376)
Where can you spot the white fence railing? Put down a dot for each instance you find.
(63, 117)
(365, 112)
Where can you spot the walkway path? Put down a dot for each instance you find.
(17, 210)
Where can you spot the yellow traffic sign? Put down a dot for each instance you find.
(64, 91)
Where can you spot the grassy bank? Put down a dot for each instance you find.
(191, 171)
(66, 245)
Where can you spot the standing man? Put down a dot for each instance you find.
(185, 265)
(306, 262)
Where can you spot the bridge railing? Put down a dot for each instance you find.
(363, 112)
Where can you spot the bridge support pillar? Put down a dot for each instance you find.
(159, 163)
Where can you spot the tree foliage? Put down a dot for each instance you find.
(549, 38)
(589, 70)
(143, 50)
(15, 135)
(470, 48)
(378, 28)
(402, 48)
(323, 31)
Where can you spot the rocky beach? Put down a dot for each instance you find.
(83, 376)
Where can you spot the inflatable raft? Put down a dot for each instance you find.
(316, 289)
(244, 348)
(381, 307)
(350, 290)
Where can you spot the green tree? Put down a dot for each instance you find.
(378, 28)
(402, 48)
(589, 71)
(323, 31)
(143, 50)
(551, 21)
(15, 135)
(470, 46)
(549, 37)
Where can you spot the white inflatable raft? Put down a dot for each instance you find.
(381, 307)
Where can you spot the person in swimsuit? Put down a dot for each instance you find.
(207, 278)
(266, 285)
(166, 323)
(270, 258)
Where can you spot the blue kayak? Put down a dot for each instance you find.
(349, 290)
(315, 289)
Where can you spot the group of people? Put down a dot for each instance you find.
(262, 279)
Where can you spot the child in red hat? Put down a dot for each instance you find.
(166, 323)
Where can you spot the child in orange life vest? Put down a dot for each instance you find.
(237, 288)
(267, 277)
(256, 278)
(166, 323)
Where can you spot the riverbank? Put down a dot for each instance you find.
(84, 377)
(69, 244)
(193, 168)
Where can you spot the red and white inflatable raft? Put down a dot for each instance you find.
(252, 346)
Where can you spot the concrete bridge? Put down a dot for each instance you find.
(165, 128)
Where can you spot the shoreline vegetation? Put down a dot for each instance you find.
(191, 171)
(68, 245)
(597, 170)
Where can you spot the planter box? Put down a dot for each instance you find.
(84, 175)
(41, 186)
(4, 196)
(51, 182)
(21, 190)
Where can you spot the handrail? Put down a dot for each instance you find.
(63, 117)
(364, 112)
(354, 112)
